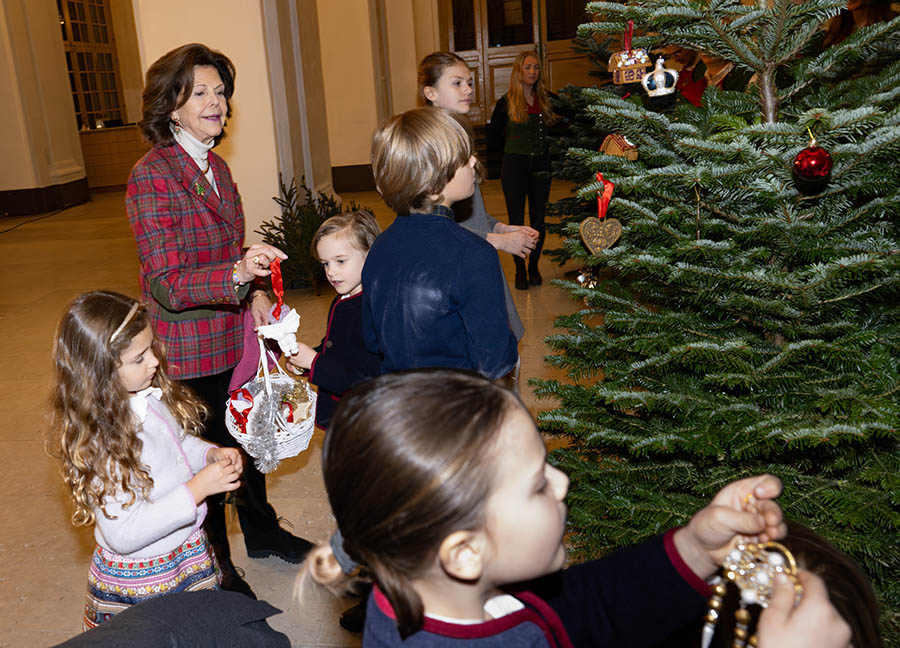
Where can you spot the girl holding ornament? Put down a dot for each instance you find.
(460, 520)
(518, 127)
(131, 456)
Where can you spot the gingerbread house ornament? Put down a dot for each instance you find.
(618, 145)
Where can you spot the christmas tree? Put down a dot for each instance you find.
(748, 319)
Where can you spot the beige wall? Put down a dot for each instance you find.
(39, 144)
(129, 58)
(346, 36)
(349, 79)
(402, 56)
(234, 27)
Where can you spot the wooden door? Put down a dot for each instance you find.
(489, 34)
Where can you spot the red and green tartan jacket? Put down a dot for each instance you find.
(188, 239)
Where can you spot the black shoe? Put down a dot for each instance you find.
(521, 280)
(534, 277)
(277, 542)
(233, 580)
(353, 618)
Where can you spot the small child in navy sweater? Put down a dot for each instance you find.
(341, 360)
(451, 505)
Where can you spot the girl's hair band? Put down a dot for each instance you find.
(124, 323)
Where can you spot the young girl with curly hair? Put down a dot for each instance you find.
(137, 470)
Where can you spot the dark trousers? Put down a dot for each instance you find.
(526, 177)
(255, 513)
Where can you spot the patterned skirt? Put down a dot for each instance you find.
(117, 582)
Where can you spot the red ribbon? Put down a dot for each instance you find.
(626, 38)
(240, 416)
(277, 287)
(603, 197)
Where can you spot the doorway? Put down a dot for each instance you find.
(489, 34)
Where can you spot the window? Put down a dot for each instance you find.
(91, 60)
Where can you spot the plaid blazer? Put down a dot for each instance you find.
(188, 239)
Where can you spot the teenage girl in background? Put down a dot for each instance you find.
(341, 360)
(518, 127)
(131, 457)
(446, 82)
(456, 512)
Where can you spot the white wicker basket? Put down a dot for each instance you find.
(262, 418)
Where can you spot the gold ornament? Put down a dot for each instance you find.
(752, 567)
(295, 403)
(599, 234)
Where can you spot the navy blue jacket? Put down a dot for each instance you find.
(434, 298)
(342, 360)
(633, 598)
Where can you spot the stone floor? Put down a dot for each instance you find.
(43, 558)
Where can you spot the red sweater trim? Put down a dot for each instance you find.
(682, 568)
(536, 611)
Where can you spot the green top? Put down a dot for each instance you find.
(529, 138)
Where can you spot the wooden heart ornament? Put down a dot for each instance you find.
(599, 234)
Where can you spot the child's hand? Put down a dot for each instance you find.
(517, 240)
(303, 359)
(227, 454)
(814, 623)
(218, 477)
(743, 508)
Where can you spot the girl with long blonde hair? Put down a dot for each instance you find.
(518, 127)
(131, 457)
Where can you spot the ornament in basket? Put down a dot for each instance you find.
(272, 415)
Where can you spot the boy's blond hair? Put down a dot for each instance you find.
(416, 154)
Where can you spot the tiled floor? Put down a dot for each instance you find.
(43, 558)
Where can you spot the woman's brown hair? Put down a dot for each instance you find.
(93, 429)
(407, 461)
(515, 96)
(168, 86)
(432, 68)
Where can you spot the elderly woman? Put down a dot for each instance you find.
(196, 280)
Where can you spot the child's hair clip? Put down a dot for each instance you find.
(752, 568)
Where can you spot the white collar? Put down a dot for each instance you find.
(194, 147)
(139, 402)
(496, 607)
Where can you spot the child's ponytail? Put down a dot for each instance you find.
(322, 568)
(407, 461)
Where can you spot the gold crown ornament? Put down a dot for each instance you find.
(661, 81)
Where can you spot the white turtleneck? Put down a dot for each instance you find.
(198, 151)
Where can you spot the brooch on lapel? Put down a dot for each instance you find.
(199, 189)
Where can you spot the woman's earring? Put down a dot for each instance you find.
(177, 127)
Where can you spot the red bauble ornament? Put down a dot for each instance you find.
(812, 168)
